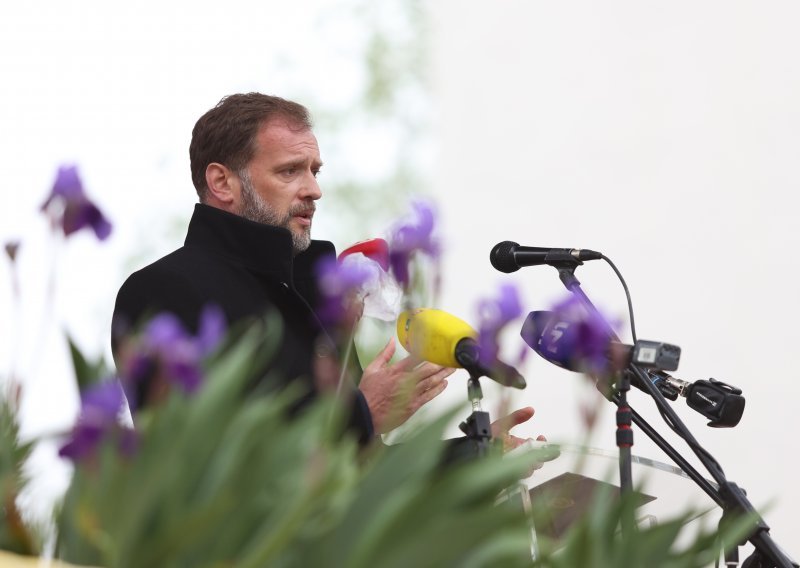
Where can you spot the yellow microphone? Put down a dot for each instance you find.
(441, 338)
(433, 335)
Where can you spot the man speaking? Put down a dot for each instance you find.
(248, 249)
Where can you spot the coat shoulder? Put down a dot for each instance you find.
(169, 284)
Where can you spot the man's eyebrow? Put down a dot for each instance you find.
(290, 163)
(297, 163)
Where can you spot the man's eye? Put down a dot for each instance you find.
(290, 171)
(315, 172)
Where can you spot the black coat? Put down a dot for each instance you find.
(245, 268)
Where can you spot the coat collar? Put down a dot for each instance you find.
(259, 247)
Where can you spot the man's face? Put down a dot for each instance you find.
(279, 185)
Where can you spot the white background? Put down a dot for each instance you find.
(663, 134)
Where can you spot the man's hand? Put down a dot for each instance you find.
(396, 391)
(501, 427)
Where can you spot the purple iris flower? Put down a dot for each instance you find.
(339, 284)
(168, 350)
(98, 420)
(71, 209)
(409, 237)
(587, 338)
(494, 314)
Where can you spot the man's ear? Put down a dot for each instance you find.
(224, 187)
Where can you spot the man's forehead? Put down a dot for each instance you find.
(280, 126)
(281, 134)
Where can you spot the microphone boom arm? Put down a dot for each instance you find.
(729, 496)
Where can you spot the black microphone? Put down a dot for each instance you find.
(509, 256)
(721, 403)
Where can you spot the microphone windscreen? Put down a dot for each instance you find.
(376, 249)
(551, 337)
(432, 335)
(573, 344)
(556, 339)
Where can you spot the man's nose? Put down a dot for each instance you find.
(311, 189)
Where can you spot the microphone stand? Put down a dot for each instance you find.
(477, 426)
(732, 498)
(624, 413)
(729, 496)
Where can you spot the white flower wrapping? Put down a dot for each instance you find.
(381, 294)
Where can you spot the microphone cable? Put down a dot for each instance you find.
(627, 294)
(710, 462)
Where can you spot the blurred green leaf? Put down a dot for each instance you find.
(86, 373)
(596, 541)
(227, 478)
(15, 534)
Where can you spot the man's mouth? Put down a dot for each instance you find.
(304, 217)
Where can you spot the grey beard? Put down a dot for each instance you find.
(254, 208)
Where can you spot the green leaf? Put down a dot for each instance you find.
(229, 478)
(86, 373)
(16, 534)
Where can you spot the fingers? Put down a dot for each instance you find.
(512, 442)
(430, 387)
(429, 370)
(501, 427)
(406, 364)
(424, 397)
(433, 380)
(384, 356)
(415, 372)
(514, 419)
(520, 416)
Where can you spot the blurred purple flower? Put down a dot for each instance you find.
(12, 247)
(494, 314)
(167, 350)
(212, 329)
(70, 208)
(340, 284)
(98, 419)
(587, 338)
(409, 237)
